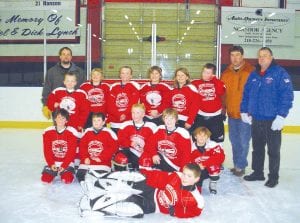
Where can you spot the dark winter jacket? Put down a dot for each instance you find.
(55, 76)
(268, 95)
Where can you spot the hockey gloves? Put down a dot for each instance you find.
(246, 118)
(46, 112)
(278, 123)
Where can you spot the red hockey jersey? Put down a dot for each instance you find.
(75, 103)
(210, 93)
(97, 96)
(186, 203)
(121, 98)
(186, 101)
(134, 138)
(155, 97)
(211, 158)
(60, 146)
(175, 147)
(102, 144)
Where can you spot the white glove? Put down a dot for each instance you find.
(246, 118)
(278, 123)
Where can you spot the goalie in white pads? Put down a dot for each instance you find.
(127, 194)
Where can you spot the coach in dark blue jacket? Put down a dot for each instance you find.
(267, 99)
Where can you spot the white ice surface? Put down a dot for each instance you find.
(23, 198)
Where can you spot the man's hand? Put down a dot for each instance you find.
(246, 118)
(278, 123)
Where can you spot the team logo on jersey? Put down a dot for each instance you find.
(95, 148)
(269, 80)
(68, 103)
(59, 148)
(139, 142)
(96, 97)
(122, 101)
(167, 148)
(179, 102)
(207, 91)
(200, 159)
(153, 98)
(167, 197)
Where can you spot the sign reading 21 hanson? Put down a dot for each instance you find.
(30, 21)
(255, 25)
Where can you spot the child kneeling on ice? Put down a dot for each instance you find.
(59, 142)
(209, 155)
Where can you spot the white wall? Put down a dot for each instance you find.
(23, 104)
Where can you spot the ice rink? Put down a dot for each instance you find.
(25, 199)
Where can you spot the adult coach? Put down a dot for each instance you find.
(55, 76)
(235, 77)
(267, 99)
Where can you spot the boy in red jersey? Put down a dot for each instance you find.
(96, 148)
(123, 95)
(169, 148)
(133, 134)
(74, 101)
(59, 142)
(155, 95)
(170, 193)
(209, 155)
(97, 93)
(131, 194)
(211, 92)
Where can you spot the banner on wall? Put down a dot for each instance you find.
(255, 25)
(32, 21)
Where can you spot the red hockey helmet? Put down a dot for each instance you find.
(119, 162)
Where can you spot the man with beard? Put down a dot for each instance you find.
(55, 76)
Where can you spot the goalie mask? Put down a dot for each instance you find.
(119, 162)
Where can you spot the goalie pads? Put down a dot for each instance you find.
(117, 209)
(109, 194)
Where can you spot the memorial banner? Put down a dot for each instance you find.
(32, 21)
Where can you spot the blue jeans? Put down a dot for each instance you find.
(239, 136)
